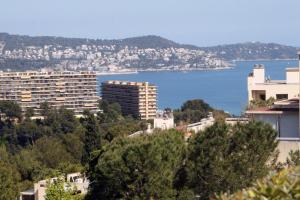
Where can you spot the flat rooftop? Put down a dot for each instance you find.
(37, 73)
(131, 83)
(277, 108)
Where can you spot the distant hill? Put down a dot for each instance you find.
(20, 52)
(254, 51)
(149, 41)
(239, 51)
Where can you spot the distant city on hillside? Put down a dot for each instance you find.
(146, 53)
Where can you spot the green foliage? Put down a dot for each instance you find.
(92, 137)
(9, 177)
(284, 185)
(293, 159)
(261, 103)
(10, 109)
(193, 111)
(137, 168)
(29, 113)
(61, 190)
(111, 112)
(197, 104)
(227, 158)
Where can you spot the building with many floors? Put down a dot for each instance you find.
(76, 91)
(137, 99)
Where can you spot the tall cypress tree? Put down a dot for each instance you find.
(92, 138)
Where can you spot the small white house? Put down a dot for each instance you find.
(164, 120)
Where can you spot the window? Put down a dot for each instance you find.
(262, 97)
(281, 96)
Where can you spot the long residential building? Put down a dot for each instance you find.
(76, 91)
(135, 98)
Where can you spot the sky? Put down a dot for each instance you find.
(197, 22)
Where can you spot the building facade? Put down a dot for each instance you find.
(135, 98)
(164, 120)
(75, 91)
(75, 181)
(262, 88)
(283, 114)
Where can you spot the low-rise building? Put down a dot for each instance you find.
(75, 181)
(164, 120)
(203, 124)
(137, 99)
(283, 116)
(261, 87)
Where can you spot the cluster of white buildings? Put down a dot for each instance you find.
(99, 57)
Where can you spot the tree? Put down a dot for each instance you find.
(196, 104)
(61, 190)
(192, 111)
(28, 132)
(51, 152)
(141, 167)
(227, 158)
(10, 109)
(293, 159)
(92, 137)
(283, 185)
(111, 112)
(29, 113)
(9, 177)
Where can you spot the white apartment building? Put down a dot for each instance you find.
(283, 115)
(260, 87)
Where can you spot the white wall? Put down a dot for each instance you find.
(259, 75)
(164, 123)
(285, 146)
(292, 75)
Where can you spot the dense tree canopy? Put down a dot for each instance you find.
(193, 111)
(227, 158)
(159, 166)
(283, 185)
(138, 168)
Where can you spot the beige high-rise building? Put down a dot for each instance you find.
(135, 98)
(75, 91)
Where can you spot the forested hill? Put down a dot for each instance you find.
(254, 51)
(150, 41)
(239, 51)
(19, 52)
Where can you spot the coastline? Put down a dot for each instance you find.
(295, 59)
(163, 70)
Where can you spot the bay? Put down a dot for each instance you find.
(222, 89)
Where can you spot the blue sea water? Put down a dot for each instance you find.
(222, 89)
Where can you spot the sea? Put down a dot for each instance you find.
(222, 89)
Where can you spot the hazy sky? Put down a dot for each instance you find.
(198, 22)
